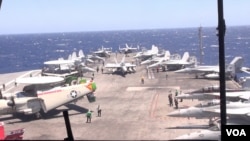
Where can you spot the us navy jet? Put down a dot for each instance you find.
(147, 54)
(126, 50)
(212, 92)
(212, 72)
(80, 58)
(103, 52)
(236, 111)
(95, 57)
(242, 95)
(175, 64)
(39, 95)
(212, 133)
(157, 60)
(122, 66)
(63, 68)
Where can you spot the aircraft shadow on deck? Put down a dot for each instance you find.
(55, 113)
(190, 127)
(118, 73)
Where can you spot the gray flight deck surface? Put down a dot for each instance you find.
(130, 110)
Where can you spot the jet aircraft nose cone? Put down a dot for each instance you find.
(174, 113)
(182, 96)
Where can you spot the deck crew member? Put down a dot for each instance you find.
(170, 98)
(176, 103)
(99, 111)
(102, 70)
(142, 80)
(89, 115)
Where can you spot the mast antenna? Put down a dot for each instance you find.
(201, 45)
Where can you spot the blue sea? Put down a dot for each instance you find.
(23, 52)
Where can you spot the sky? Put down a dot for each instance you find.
(49, 16)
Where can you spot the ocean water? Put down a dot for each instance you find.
(28, 51)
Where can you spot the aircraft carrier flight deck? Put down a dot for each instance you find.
(130, 110)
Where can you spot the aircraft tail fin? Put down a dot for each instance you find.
(237, 62)
(235, 65)
(69, 57)
(167, 55)
(73, 56)
(81, 54)
(91, 86)
(185, 56)
(127, 45)
(154, 49)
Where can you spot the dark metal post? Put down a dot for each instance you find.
(222, 29)
(0, 4)
(201, 45)
(68, 127)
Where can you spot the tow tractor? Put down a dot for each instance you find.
(12, 135)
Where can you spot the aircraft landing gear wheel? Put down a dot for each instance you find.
(38, 115)
(196, 76)
(211, 122)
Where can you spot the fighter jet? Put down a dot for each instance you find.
(235, 110)
(157, 60)
(102, 52)
(122, 66)
(212, 133)
(126, 50)
(230, 96)
(85, 58)
(147, 53)
(173, 64)
(95, 57)
(80, 58)
(72, 66)
(212, 72)
(212, 92)
(41, 94)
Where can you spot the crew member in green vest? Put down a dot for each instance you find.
(89, 115)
